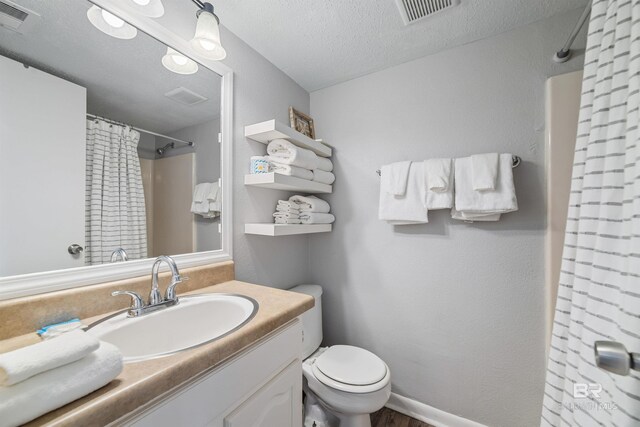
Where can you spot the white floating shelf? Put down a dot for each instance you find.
(266, 132)
(276, 181)
(275, 230)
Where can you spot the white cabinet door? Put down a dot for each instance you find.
(275, 404)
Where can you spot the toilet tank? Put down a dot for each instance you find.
(311, 320)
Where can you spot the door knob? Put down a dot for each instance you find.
(613, 357)
(75, 249)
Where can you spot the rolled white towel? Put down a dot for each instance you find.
(287, 210)
(287, 221)
(50, 390)
(316, 218)
(291, 170)
(24, 363)
(285, 152)
(325, 164)
(323, 177)
(288, 205)
(311, 204)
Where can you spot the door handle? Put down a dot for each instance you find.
(613, 356)
(75, 249)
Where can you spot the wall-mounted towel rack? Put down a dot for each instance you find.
(515, 159)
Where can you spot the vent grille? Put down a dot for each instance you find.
(16, 18)
(13, 12)
(413, 11)
(185, 96)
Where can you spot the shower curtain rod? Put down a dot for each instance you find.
(189, 143)
(564, 54)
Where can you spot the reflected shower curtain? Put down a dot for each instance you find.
(599, 292)
(115, 205)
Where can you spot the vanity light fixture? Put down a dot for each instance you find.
(150, 8)
(178, 63)
(110, 24)
(206, 41)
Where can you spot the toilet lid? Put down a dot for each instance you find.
(351, 365)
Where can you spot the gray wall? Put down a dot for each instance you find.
(455, 309)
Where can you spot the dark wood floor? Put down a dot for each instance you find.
(386, 417)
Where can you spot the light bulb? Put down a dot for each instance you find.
(142, 2)
(110, 24)
(178, 63)
(112, 20)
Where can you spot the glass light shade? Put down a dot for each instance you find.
(207, 38)
(110, 24)
(178, 63)
(150, 8)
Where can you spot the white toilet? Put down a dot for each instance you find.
(348, 381)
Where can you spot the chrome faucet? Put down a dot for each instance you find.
(156, 302)
(119, 253)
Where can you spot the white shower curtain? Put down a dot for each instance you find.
(115, 205)
(599, 292)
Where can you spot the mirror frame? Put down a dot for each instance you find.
(48, 281)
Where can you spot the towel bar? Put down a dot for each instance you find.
(515, 159)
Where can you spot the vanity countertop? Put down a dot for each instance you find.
(141, 382)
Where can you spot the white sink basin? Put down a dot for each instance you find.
(196, 320)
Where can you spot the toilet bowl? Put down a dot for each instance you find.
(349, 382)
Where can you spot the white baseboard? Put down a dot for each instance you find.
(427, 414)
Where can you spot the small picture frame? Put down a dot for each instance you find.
(302, 123)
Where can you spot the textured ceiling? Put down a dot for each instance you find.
(321, 43)
(125, 79)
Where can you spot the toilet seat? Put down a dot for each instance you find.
(351, 369)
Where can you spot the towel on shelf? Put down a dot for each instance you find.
(286, 215)
(393, 177)
(287, 206)
(52, 389)
(324, 164)
(207, 200)
(285, 152)
(316, 218)
(409, 208)
(287, 221)
(439, 183)
(323, 177)
(24, 363)
(484, 171)
(290, 170)
(311, 204)
(472, 205)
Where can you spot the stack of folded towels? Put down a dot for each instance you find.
(288, 159)
(207, 200)
(476, 188)
(39, 378)
(303, 210)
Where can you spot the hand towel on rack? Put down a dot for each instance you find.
(439, 183)
(316, 218)
(393, 178)
(24, 363)
(323, 177)
(409, 208)
(287, 221)
(285, 152)
(472, 205)
(311, 204)
(325, 164)
(485, 171)
(290, 170)
(207, 200)
(52, 389)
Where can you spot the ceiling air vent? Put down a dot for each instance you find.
(185, 96)
(413, 11)
(14, 17)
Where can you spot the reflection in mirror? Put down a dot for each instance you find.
(108, 146)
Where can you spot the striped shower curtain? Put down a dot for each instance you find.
(599, 292)
(115, 214)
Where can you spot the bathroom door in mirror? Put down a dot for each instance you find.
(109, 145)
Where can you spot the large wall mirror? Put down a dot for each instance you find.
(110, 144)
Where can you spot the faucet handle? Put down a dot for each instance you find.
(170, 294)
(136, 301)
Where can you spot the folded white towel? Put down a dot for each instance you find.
(316, 218)
(409, 208)
(287, 206)
(439, 177)
(290, 170)
(285, 152)
(323, 177)
(207, 200)
(325, 164)
(18, 365)
(485, 171)
(472, 205)
(286, 215)
(200, 192)
(393, 178)
(311, 204)
(288, 210)
(287, 221)
(214, 191)
(52, 389)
